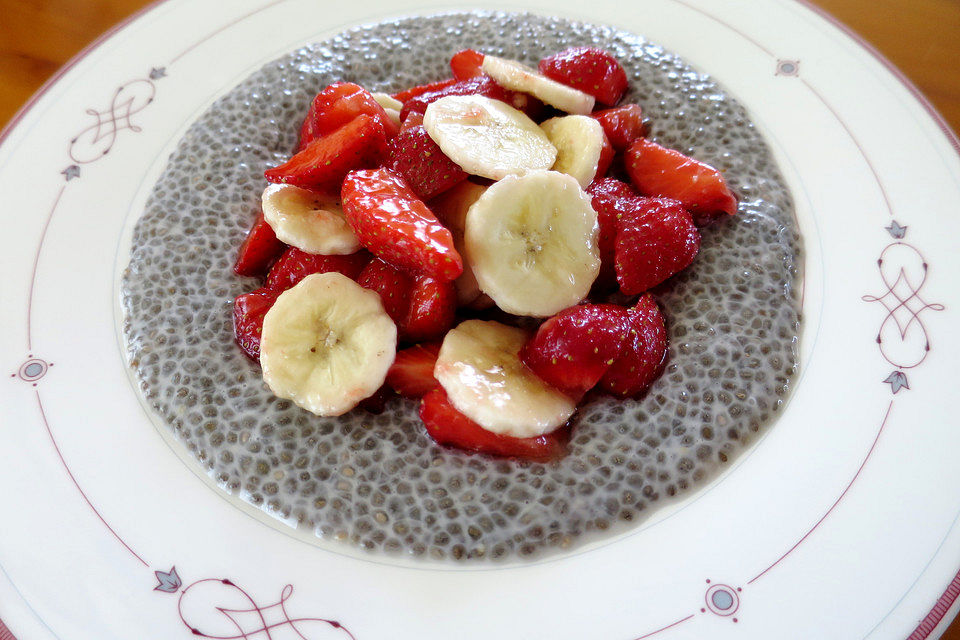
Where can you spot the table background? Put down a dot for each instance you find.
(921, 37)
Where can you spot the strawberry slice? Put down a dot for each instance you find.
(258, 251)
(419, 90)
(423, 308)
(644, 352)
(248, 312)
(414, 120)
(658, 171)
(447, 426)
(572, 350)
(337, 105)
(623, 125)
(593, 71)
(611, 198)
(480, 85)
(411, 374)
(416, 157)
(466, 64)
(656, 240)
(295, 265)
(433, 305)
(393, 285)
(393, 223)
(323, 163)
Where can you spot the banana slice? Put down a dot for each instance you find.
(327, 344)
(480, 369)
(308, 221)
(512, 75)
(487, 137)
(579, 142)
(391, 105)
(532, 243)
(451, 208)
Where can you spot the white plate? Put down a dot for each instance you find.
(840, 523)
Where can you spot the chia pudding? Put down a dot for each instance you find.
(378, 482)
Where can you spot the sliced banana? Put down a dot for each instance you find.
(487, 137)
(308, 221)
(480, 369)
(327, 344)
(451, 208)
(579, 142)
(391, 105)
(532, 243)
(512, 75)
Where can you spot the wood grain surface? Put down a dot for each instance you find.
(921, 37)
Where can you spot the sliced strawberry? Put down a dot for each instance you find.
(572, 350)
(480, 85)
(611, 199)
(323, 163)
(393, 285)
(623, 125)
(593, 71)
(433, 305)
(393, 223)
(423, 308)
(259, 250)
(658, 171)
(447, 426)
(644, 352)
(466, 64)
(295, 265)
(337, 105)
(411, 374)
(656, 241)
(414, 119)
(248, 312)
(419, 90)
(607, 154)
(416, 157)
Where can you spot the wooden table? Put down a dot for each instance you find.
(922, 37)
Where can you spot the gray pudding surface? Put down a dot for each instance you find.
(378, 482)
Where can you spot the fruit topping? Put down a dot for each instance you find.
(416, 157)
(644, 351)
(295, 265)
(654, 241)
(310, 221)
(574, 349)
(395, 225)
(480, 370)
(411, 374)
(259, 249)
(322, 164)
(658, 171)
(515, 76)
(532, 243)
(593, 71)
(448, 426)
(487, 137)
(327, 344)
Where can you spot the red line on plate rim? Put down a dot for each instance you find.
(899, 75)
(36, 261)
(66, 467)
(952, 591)
(5, 633)
(669, 626)
(939, 610)
(834, 505)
